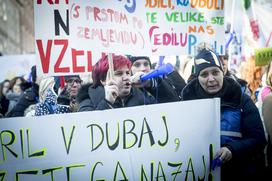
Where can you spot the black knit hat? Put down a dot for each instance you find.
(206, 58)
(67, 77)
(135, 58)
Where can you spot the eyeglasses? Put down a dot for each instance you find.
(72, 81)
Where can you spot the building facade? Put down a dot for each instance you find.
(16, 27)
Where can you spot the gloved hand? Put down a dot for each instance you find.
(222, 156)
(136, 81)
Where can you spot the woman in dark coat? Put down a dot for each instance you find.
(242, 134)
(4, 102)
(115, 93)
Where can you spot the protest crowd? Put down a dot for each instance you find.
(120, 81)
(67, 94)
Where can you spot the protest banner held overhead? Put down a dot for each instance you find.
(178, 27)
(71, 35)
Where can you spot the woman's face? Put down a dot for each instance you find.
(211, 79)
(18, 81)
(122, 78)
(141, 65)
(17, 88)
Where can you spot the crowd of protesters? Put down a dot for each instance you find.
(245, 117)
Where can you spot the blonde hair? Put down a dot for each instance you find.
(269, 75)
(45, 84)
(186, 67)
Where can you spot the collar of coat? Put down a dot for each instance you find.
(230, 93)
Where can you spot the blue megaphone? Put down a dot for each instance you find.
(162, 70)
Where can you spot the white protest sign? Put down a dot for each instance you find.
(70, 34)
(165, 142)
(177, 27)
(108, 26)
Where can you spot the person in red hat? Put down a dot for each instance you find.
(112, 92)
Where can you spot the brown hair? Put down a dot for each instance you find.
(269, 75)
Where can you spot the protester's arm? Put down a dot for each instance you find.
(104, 104)
(177, 81)
(27, 98)
(253, 137)
(267, 113)
(136, 80)
(12, 95)
(85, 103)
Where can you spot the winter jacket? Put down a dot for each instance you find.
(230, 124)
(30, 96)
(247, 161)
(13, 99)
(167, 89)
(4, 104)
(50, 106)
